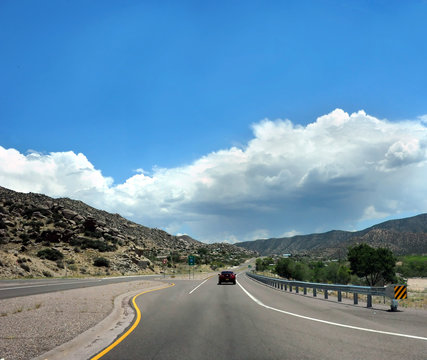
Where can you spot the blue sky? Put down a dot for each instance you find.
(136, 97)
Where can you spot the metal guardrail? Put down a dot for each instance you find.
(283, 285)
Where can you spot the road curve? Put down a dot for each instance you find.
(252, 321)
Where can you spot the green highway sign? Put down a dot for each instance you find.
(190, 260)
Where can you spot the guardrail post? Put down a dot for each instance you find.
(326, 293)
(281, 286)
(286, 287)
(356, 299)
(339, 295)
(305, 291)
(394, 305)
(290, 288)
(297, 289)
(369, 301)
(314, 292)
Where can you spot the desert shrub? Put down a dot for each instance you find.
(86, 243)
(56, 217)
(72, 267)
(46, 273)
(25, 238)
(90, 225)
(25, 267)
(94, 234)
(100, 261)
(50, 254)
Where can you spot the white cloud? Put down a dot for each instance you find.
(423, 118)
(371, 213)
(290, 234)
(288, 179)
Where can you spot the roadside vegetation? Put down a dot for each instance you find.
(306, 269)
(364, 265)
(412, 266)
(204, 258)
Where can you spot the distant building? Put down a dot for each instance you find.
(286, 255)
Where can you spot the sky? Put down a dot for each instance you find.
(226, 120)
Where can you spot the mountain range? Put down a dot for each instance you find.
(402, 236)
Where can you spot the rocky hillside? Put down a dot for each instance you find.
(42, 236)
(402, 236)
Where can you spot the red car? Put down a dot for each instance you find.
(227, 276)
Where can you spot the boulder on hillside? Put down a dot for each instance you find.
(38, 215)
(69, 214)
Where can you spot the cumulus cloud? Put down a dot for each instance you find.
(288, 179)
(56, 174)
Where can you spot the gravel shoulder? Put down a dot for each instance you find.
(32, 326)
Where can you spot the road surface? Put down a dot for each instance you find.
(203, 320)
(15, 288)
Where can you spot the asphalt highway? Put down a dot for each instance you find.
(16, 288)
(202, 320)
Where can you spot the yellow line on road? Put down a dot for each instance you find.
(135, 324)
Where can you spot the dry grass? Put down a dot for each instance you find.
(417, 294)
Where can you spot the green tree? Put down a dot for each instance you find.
(284, 268)
(375, 265)
(263, 264)
(343, 275)
(318, 272)
(300, 271)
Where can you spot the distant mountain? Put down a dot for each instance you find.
(402, 236)
(73, 235)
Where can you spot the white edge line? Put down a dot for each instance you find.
(329, 322)
(197, 287)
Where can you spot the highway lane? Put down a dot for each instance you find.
(26, 287)
(224, 322)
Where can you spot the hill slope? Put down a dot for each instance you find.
(402, 236)
(76, 234)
